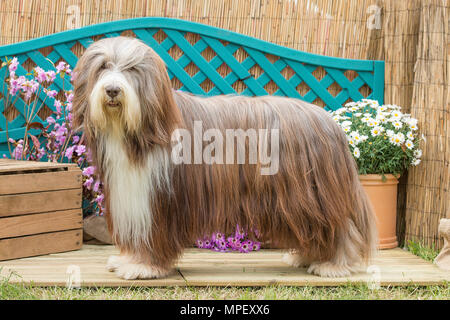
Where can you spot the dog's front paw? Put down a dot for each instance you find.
(131, 271)
(295, 260)
(114, 262)
(329, 270)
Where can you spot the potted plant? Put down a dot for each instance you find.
(384, 142)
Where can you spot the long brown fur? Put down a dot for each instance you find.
(314, 204)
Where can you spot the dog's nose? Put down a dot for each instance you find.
(112, 91)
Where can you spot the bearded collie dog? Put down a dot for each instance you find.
(312, 204)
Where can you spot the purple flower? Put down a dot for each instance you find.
(88, 183)
(218, 236)
(69, 96)
(51, 76)
(256, 246)
(39, 74)
(96, 186)
(240, 233)
(69, 152)
(247, 246)
(13, 65)
(221, 244)
(200, 243)
(50, 120)
(58, 106)
(51, 93)
(99, 199)
(15, 84)
(207, 244)
(88, 171)
(75, 139)
(18, 151)
(80, 149)
(63, 67)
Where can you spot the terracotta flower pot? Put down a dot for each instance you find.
(383, 196)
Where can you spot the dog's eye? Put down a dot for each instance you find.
(103, 66)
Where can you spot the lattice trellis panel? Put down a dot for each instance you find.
(203, 60)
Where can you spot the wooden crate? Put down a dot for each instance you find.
(40, 208)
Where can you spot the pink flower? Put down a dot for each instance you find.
(50, 120)
(96, 186)
(51, 93)
(89, 171)
(246, 246)
(75, 139)
(51, 76)
(58, 106)
(18, 151)
(63, 67)
(69, 152)
(88, 183)
(15, 84)
(39, 74)
(80, 149)
(69, 96)
(13, 65)
(99, 199)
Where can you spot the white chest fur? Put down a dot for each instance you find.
(131, 190)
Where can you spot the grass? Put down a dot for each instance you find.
(349, 291)
(418, 249)
(356, 292)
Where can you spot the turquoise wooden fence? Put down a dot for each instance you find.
(222, 42)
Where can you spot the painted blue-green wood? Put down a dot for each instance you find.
(369, 72)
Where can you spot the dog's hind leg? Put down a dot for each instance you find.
(347, 259)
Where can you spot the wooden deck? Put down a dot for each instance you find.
(206, 268)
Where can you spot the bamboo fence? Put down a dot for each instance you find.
(411, 36)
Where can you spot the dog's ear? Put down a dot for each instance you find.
(160, 114)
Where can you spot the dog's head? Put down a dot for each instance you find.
(122, 84)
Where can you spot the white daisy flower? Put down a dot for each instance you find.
(397, 124)
(413, 126)
(409, 144)
(397, 139)
(376, 131)
(372, 122)
(356, 152)
(389, 133)
(410, 135)
(365, 119)
(358, 114)
(346, 124)
(417, 153)
(396, 114)
(415, 162)
(381, 117)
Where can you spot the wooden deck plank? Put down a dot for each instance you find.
(206, 268)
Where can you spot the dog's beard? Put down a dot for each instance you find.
(124, 109)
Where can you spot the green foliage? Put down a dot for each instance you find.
(418, 249)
